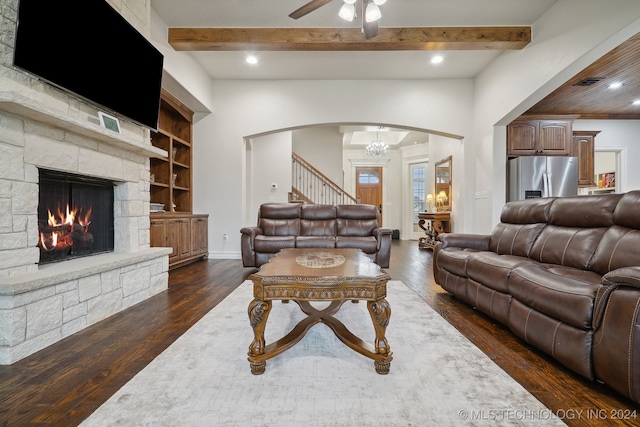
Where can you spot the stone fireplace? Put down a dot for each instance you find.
(45, 129)
(41, 303)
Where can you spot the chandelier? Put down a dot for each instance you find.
(377, 149)
(372, 12)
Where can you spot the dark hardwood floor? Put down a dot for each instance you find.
(64, 383)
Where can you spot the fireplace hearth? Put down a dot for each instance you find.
(75, 216)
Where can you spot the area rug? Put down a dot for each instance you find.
(437, 376)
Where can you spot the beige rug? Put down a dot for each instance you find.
(437, 376)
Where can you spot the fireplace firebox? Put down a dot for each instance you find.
(75, 216)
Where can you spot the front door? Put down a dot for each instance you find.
(369, 187)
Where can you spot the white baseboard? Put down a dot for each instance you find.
(224, 255)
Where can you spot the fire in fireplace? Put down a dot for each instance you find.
(75, 216)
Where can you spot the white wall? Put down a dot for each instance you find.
(249, 108)
(622, 136)
(270, 164)
(182, 76)
(323, 144)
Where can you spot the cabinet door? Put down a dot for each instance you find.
(185, 238)
(582, 147)
(174, 238)
(554, 138)
(522, 138)
(199, 236)
(539, 138)
(158, 235)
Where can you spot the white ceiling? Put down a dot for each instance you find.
(347, 65)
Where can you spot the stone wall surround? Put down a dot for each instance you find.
(44, 127)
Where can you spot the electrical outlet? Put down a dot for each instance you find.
(225, 237)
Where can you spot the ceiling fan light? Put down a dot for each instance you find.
(379, 2)
(347, 12)
(373, 12)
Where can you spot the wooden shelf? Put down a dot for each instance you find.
(172, 176)
(177, 227)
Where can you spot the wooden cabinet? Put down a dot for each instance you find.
(199, 235)
(539, 137)
(583, 147)
(186, 234)
(171, 177)
(170, 185)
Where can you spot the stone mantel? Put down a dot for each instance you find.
(52, 274)
(20, 105)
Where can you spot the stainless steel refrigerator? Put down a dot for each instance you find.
(542, 176)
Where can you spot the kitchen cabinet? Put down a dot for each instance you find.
(583, 147)
(540, 137)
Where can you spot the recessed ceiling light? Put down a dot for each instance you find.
(437, 59)
(615, 85)
(252, 59)
(636, 102)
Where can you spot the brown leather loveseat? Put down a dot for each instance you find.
(564, 275)
(296, 225)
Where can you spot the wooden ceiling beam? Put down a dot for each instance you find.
(349, 39)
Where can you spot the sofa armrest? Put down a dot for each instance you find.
(383, 254)
(616, 324)
(626, 276)
(246, 245)
(459, 240)
(251, 231)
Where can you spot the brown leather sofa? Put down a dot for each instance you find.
(564, 275)
(297, 225)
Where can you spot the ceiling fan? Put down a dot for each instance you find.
(369, 29)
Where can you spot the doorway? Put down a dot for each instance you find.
(369, 187)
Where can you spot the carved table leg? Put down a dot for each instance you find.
(380, 312)
(258, 313)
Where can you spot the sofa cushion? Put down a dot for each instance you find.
(368, 245)
(356, 220)
(454, 260)
(514, 239)
(583, 212)
(618, 248)
(493, 270)
(563, 293)
(272, 244)
(568, 246)
(528, 211)
(313, 211)
(279, 219)
(626, 212)
(315, 242)
(279, 210)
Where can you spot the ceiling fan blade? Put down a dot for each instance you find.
(308, 8)
(370, 29)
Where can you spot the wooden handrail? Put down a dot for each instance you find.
(325, 180)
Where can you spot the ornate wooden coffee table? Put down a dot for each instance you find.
(304, 275)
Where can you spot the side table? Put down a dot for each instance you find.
(439, 222)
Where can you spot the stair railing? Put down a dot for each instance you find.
(312, 186)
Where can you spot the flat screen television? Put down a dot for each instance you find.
(87, 48)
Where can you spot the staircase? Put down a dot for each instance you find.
(309, 185)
